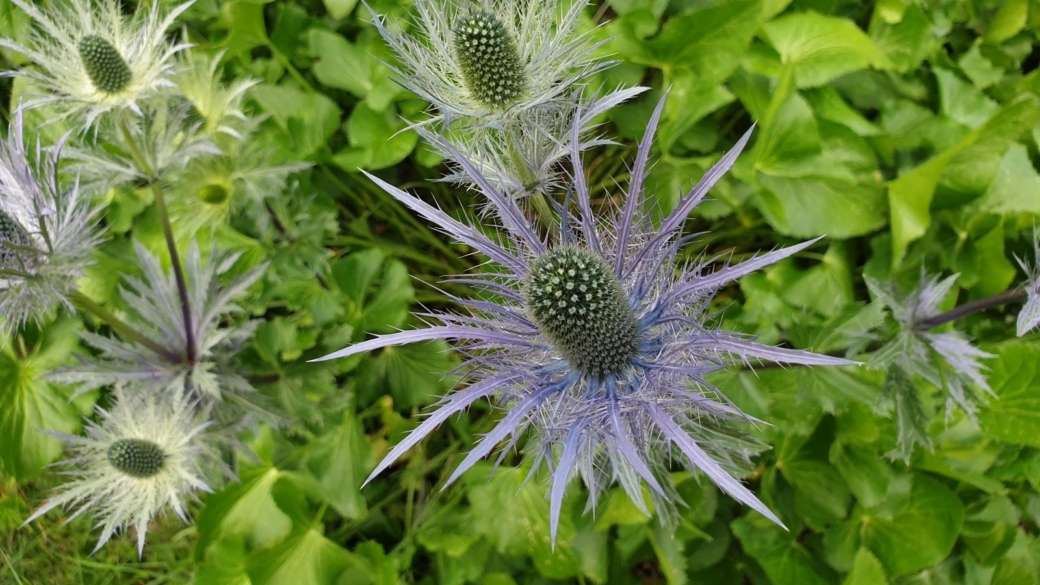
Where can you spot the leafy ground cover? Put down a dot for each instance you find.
(905, 133)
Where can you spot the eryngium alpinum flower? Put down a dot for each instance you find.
(46, 232)
(492, 60)
(947, 360)
(154, 309)
(144, 455)
(90, 58)
(598, 343)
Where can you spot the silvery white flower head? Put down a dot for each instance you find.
(525, 155)
(493, 60)
(598, 342)
(47, 232)
(217, 105)
(89, 58)
(141, 149)
(946, 360)
(1029, 316)
(144, 455)
(199, 358)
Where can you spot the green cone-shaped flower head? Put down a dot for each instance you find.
(106, 68)
(11, 234)
(578, 303)
(489, 59)
(136, 457)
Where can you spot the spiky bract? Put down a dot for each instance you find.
(47, 233)
(625, 424)
(89, 58)
(144, 455)
(537, 57)
(154, 309)
(213, 103)
(947, 360)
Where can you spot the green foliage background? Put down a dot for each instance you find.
(905, 131)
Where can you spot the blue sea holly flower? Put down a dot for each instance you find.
(598, 342)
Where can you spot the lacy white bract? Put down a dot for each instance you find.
(47, 233)
(613, 403)
(914, 348)
(551, 57)
(144, 456)
(89, 58)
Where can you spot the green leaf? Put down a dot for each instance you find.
(708, 41)
(821, 48)
(866, 570)
(377, 140)
(340, 460)
(806, 207)
(339, 8)
(341, 64)
(247, 510)
(670, 553)
(308, 119)
(1013, 416)
(379, 287)
(784, 559)
(246, 28)
(225, 564)
(414, 374)
(930, 518)
(1015, 188)
(1009, 20)
(29, 405)
(514, 517)
(962, 102)
(305, 558)
(908, 38)
(910, 196)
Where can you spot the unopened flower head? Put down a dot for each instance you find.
(144, 455)
(493, 60)
(239, 179)
(599, 343)
(154, 309)
(1029, 316)
(89, 58)
(47, 232)
(946, 360)
(217, 105)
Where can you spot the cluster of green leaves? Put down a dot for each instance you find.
(906, 132)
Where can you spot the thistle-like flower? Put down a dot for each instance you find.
(599, 342)
(1029, 316)
(89, 58)
(493, 61)
(144, 455)
(945, 360)
(47, 233)
(173, 356)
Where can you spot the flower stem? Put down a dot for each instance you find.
(978, 305)
(178, 273)
(146, 169)
(119, 326)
